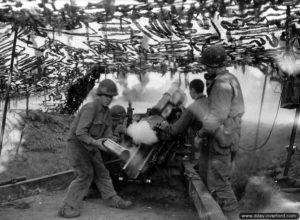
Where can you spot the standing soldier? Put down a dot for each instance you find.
(223, 123)
(90, 128)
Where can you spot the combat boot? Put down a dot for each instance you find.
(67, 211)
(118, 202)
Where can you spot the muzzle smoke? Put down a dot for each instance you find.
(141, 132)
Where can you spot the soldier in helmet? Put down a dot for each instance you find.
(92, 125)
(118, 114)
(223, 125)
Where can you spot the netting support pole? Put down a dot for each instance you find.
(292, 141)
(260, 111)
(8, 87)
(27, 101)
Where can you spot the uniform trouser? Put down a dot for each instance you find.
(88, 166)
(215, 170)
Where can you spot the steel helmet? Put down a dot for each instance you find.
(107, 87)
(117, 112)
(214, 56)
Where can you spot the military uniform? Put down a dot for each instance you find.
(224, 124)
(119, 130)
(193, 118)
(92, 122)
(118, 114)
(193, 115)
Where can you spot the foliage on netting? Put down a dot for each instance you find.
(79, 90)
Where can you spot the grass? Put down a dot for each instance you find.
(42, 148)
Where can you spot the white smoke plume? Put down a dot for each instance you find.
(135, 93)
(91, 96)
(289, 64)
(280, 204)
(141, 132)
(262, 195)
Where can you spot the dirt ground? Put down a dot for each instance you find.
(149, 204)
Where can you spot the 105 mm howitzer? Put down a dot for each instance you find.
(145, 160)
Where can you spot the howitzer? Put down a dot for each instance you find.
(145, 159)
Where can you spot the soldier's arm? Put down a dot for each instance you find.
(219, 106)
(182, 124)
(120, 129)
(85, 122)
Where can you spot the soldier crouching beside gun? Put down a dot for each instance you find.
(92, 125)
(118, 114)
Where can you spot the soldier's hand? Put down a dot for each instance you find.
(197, 142)
(201, 133)
(99, 144)
(115, 139)
(163, 125)
(120, 129)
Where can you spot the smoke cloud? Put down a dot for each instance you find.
(258, 194)
(91, 96)
(141, 132)
(136, 92)
(280, 204)
(262, 195)
(289, 64)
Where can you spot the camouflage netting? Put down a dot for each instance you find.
(59, 41)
